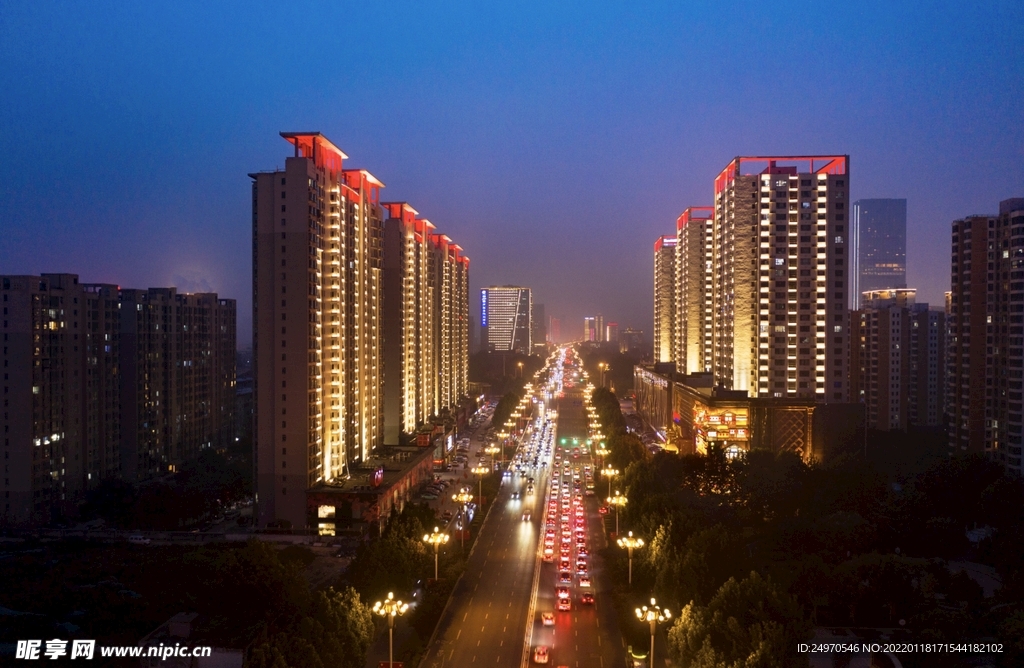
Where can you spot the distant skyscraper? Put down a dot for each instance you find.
(631, 341)
(611, 334)
(507, 313)
(781, 277)
(599, 328)
(589, 328)
(317, 234)
(555, 330)
(540, 324)
(986, 362)
(664, 298)
(694, 304)
(878, 246)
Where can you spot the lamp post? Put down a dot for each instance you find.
(390, 609)
(480, 472)
(618, 500)
(463, 497)
(493, 450)
(602, 451)
(653, 615)
(609, 472)
(437, 539)
(520, 365)
(602, 366)
(631, 543)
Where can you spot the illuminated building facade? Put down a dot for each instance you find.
(780, 272)
(664, 298)
(317, 256)
(589, 328)
(694, 303)
(878, 246)
(425, 307)
(611, 332)
(599, 328)
(507, 313)
(986, 333)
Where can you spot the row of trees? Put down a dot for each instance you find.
(198, 491)
(756, 551)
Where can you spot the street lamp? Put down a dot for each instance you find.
(463, 497)
(618, 500)
(609, 472)
(653, 615)
(602, 366)
(390, 609)
(437, 539)
(520, 364)
(493, 450)
(631, 543)
(480, 472)
(602, 451)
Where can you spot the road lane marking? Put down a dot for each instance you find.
(457, 635)
(464, 616)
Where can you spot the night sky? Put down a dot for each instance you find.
(553, 141)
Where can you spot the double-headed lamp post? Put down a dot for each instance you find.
(609, 472)
(390, 609)
(630, 543)
(463, 497)
(653, 615)
(602, 451)
(493, 450)
(618, 501)
(602, 366)
(480, 472)
(437, 539)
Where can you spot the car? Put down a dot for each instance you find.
(564, 604)
(428, 496)
(446, 515)
(587, 598)
(565, 577)
(581, 550)
(526, 516)
(515, 496)
(547, 618)
(540, 654)
(603, 510)
(585, 581)
(581, 569)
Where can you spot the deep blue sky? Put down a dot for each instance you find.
(553, 141)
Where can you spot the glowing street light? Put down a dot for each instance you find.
(618, 500)
(463, 497)
(390, 609)
(653, 615)
(630, 543)
(602, 366)
(480, 472)
(609, 472)
(437, 539)
(602, 451)
(493, 450)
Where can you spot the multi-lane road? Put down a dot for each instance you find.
(495, 615)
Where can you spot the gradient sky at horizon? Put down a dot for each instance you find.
(553, 141)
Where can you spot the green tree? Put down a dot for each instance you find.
(750, 623)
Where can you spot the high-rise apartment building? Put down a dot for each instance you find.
(317, 237)
(589, 328)
(78, 411)
(664, 298)
(986, 335)
(781, 273)
(897, 360)
(507, 313)
(451, 309)
(878, 246)
(599, 328)
(178, 378)
(694, 303)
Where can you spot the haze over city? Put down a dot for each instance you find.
(554, 142)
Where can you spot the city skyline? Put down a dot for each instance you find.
(96, 111)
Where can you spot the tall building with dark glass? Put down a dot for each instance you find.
(878, 237)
